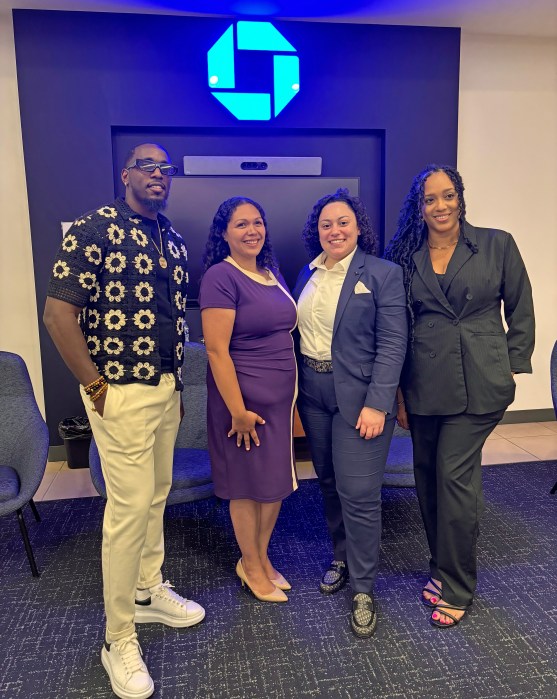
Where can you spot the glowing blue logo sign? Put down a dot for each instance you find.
(253, 36)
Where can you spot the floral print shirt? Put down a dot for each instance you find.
(107, 266)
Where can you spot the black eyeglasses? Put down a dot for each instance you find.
(151, 166)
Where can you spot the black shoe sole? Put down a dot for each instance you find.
(330, 589)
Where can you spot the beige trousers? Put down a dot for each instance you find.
(135, 438)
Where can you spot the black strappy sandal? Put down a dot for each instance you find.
(441, 608)
(427, 602)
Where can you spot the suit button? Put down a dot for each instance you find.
(469, 297)
(432, 354)
(430, 324)
(456, 322)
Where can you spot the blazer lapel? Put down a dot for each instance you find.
(353, 273)
(302, 280)
(425, 270)
(460, 256)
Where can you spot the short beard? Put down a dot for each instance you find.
(154, 205)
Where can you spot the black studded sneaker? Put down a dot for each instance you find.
(334, 578)
(363, 619)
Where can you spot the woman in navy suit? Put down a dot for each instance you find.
(353, 334)
(458, 376)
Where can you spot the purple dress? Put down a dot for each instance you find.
(262, 350)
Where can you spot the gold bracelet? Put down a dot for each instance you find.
(98, 394)
(94, 385)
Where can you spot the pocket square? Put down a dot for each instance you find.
(361, 288)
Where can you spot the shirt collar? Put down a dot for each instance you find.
(127, 212)
(341, 265)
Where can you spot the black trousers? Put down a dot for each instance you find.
(350, 471)
(447, 467)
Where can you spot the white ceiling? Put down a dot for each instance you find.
(510, 17)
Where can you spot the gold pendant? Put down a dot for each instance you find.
(162, 262)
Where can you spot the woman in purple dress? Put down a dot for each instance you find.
(248, 317)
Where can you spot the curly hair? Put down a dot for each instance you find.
(217, 248)
(412, 229)
(310, 235)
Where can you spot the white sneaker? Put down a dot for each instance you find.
(128, 673)
(166, 607)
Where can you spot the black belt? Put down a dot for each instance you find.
(322, 366)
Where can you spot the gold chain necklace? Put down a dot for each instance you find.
(162, 260)
(441, 247)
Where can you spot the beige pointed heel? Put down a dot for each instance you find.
(275, 596)
(281, 582)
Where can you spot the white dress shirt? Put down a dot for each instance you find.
(317, 306)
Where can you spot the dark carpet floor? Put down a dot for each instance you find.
(52, 628)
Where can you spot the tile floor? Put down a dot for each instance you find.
(532, 441)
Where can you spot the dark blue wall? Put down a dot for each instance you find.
(83, 75)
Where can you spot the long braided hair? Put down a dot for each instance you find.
(412, 229)
(310, 235)
(217, 248)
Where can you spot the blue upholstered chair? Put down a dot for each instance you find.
(23, 444)
(191, 479)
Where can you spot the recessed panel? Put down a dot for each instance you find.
(287, 201)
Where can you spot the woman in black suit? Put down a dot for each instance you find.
(459, 369)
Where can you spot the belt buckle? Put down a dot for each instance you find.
(321, 366)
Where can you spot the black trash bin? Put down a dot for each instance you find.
(76, 433)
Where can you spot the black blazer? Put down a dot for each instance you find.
(369, 335)
(461, 358)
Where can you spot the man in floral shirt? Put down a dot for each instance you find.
(115, 310)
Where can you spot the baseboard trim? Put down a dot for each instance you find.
(511, 417)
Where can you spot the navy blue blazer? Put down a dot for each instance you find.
(369, 335)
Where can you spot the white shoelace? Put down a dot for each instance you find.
(166, 590)
(130, 652)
